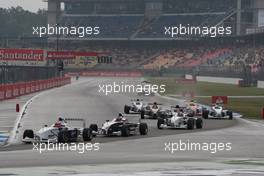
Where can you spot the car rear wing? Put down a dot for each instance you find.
(76, 119)
(132, 118)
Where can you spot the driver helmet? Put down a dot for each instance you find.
(137, 99)
(120, 117)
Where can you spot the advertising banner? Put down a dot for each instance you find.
(219, 99)
(21, 55)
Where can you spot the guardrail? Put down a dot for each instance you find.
(9, 91)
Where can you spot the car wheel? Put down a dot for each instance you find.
(87, 134)
(143, 128)
(125, 131)
(199, 123)
(63, 136)
(94, 128)
(142, 114)
(159, 123)
(205, 114)
(28, 133)
(126, 109)
(190, 124)
(230, 114)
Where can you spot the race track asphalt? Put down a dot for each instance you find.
(82, 100)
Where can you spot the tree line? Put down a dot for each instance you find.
(17, 22)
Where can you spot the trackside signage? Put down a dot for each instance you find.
(219, 99)
(68, 54)
(21, 54)
(60, 55)
(112, 73)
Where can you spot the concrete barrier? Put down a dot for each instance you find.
(218, 80)
(9, 91)
(260, 84)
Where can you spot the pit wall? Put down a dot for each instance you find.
(10, 91)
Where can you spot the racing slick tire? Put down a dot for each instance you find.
(143, 129)
(29, 134)
(230, 115)
(205, 114)
(94, 127)
(142, 114)
(126, 109)
(190, 124)
(125, 131)
(199, 123)
(87, 134)
(159, 123)
(63, 136)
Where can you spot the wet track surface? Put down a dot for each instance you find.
(82, 100)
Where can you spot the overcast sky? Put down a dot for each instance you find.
(31, 5)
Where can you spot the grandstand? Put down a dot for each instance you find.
(129, 27)
(139, 19)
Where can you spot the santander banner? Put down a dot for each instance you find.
(112, 73)
(60, 55)
(21, 55)
(68, 54)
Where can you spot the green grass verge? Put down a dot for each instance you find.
(249, 107)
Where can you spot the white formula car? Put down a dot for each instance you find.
(153, 111)
(217, 112)
(196, 108)
(119, 127)
(58, 133)
(179, 120)
(136, 106)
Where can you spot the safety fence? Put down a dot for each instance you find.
(12, 74)
(9, 91)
